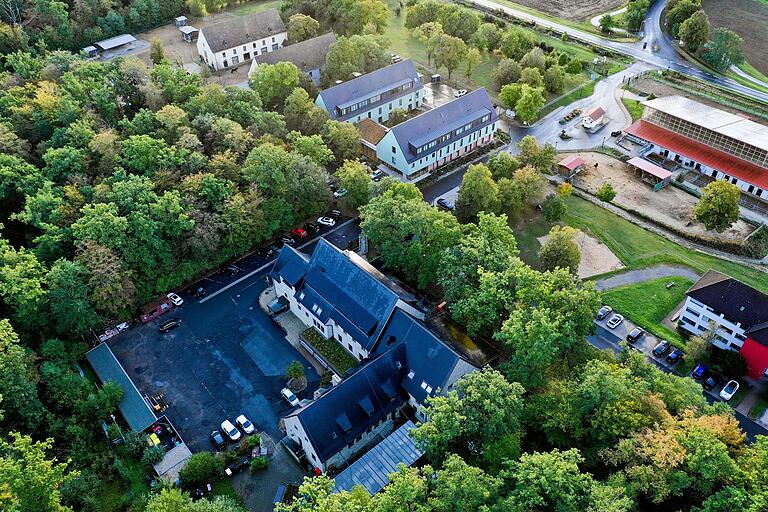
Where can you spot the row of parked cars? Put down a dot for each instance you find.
(231, 431)
(710, 380)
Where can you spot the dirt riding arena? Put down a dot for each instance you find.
(670, 205)
(596, 257)
(577, 10)
(749, 19)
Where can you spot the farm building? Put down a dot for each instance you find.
(649, 172)
(570, 166)
(684, 133)
(308, 56)
(594, 119)
(234, 41)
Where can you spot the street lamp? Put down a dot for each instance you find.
(602, 145)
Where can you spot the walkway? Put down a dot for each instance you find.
(645, 274)
(596, 20)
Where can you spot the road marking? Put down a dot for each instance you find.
(249, 274)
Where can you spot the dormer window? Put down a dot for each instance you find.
(319, 311)
(302, 295)
(411, 374)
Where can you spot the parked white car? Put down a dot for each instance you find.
(730, 389)
(245, 424)
(289, 397)
(230, 430)
(459, 93)
(340, 193)
(614, 321)
(175, 299)
(326, 221)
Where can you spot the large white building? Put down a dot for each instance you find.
(432, 139)
(235, 41)
(342, 297)
(374, 95)
(715, 143)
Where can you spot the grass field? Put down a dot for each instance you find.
(255, 6)
(634, 108)
(646, 304)
(638, 248)
(581, 92)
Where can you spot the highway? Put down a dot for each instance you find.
(666, 56)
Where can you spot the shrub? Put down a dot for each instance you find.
(554, 208)
(606, 192)
(152, 455)
(201, 468)
(259, 463)
(134, 444)
(253, 441)
(729, 363)
(295, 370)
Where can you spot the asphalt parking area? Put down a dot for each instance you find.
(227, 358)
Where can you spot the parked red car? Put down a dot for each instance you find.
(298, 232)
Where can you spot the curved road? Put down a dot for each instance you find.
(666, 56)
(646, 274)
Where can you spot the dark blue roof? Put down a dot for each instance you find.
(369, 85)
(290, 264)
(356, 300)
(348, 409)
(430, 361)
(441, 120)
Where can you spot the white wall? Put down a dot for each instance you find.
(295, 430)
(242, 53)
(431, 161)
(695, 317)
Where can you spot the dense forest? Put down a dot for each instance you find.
(121, 181)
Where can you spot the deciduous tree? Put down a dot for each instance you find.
(694, 31)
(724, 49)
(356, 179)
(718, 207)
(274, 82)
(302, 27)
(560, 250)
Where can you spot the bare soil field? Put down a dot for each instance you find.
(596, 257)
(670, 205)
(749, 19)
(576, 10)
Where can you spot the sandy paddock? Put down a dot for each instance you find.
(670, 205)
(596, 257)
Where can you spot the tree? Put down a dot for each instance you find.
(356, 178)
(560, 249)
(422, 12)
(478, 193)
(699, 348)
(71, 311)
(274, 82)
(427, 32)
(301, 113)
(724, 49)
(359, 16)
(459, 486)
(342, 139)
(397, 116)
(694, 31)
(606, 192)
(718, 207)
(531, 102)
(573, 67)
(532, 77)
(482, 409)
(554, 79)
(534, 59)
(295, 370)
(201, 468)
(506, 72)
(503, 165)
(448, 51)
(157, 51)
(31, 481)
(530, 184)
(510, 94)
(683, 10)
(18, 390)
(313, 147)
(487, 37)
(473, 58)
(636, 11)
(355, 54)
(112, 288)
(516, 42)
(302, 27)
(554, 208)
(606, 23)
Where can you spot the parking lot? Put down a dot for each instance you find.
(225, 359)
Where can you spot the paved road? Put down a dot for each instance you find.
(646, 274)
(604, 339)
(666, 57)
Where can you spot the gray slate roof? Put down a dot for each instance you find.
(739, 302)
(134, 409)
(370, 84)
(237, 31)
(441, 120)
(306, 55)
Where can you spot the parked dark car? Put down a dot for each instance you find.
(199, 291)
(604, 312)
(616, 133)
(635, 335)
(711, 380)
(335, 214)
(237, 466)
(311, 227)
(444, 204)
(170, 324)
(661, 349)
(699, 370)
(266, 252)
(287, 240)
(675, 356)
(217, 440)
(233, 270)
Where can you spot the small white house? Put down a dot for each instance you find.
(594, 119)
(235, 41)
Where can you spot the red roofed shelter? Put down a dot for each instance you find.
(570, 166)
(650, 172)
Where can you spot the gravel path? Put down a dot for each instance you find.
(645, 274)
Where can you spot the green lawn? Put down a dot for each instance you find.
(754, 73)
(646, 304)
(255, 6)
(634, 107)
(760, 406)
(580, 92)
(527, 231)
(224, 487)
(638, 248)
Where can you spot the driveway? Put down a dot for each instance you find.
(645, 274)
